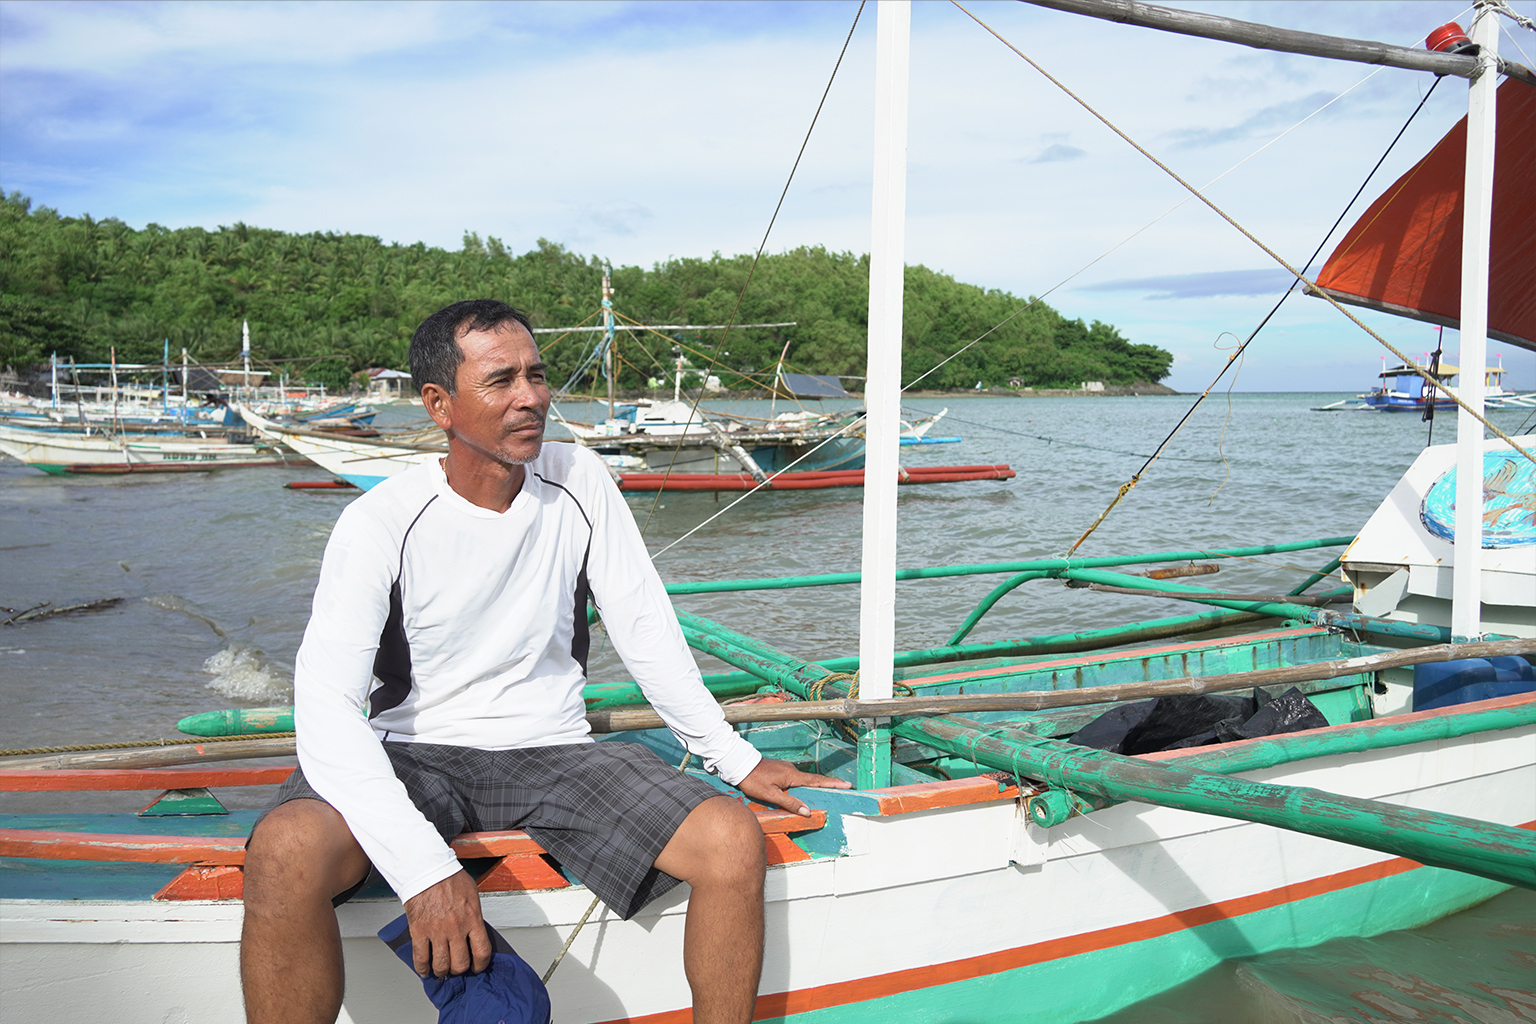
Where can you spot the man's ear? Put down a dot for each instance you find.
(434, 399)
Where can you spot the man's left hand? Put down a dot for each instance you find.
(770, 779)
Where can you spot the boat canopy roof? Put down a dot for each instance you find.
(1404, 255)
(814, 385)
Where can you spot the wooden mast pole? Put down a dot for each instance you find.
(882, 390)
(1467, 571)
(1283, 40)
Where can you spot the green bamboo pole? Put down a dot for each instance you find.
(1321, 574)
(1482, 848)
(1441, 840)
(985, 568)
(995, 596)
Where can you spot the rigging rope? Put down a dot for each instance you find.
(761, 246)
(1237, 353)
(1124, 241)
(1069, 444)
(1300, 277)
(185, 741)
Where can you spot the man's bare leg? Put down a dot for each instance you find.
(719, 851)
(290, 946)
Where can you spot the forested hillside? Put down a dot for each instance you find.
(333, 304)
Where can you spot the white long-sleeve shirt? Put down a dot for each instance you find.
(438, 621)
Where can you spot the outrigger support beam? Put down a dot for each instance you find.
(1267, 37)
(1487, 849)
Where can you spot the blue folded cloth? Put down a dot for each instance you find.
(506, 992)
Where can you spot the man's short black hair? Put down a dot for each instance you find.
(435, 352)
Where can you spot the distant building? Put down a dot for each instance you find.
(386, 385)
(1093, 385)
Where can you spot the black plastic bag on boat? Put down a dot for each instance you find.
(1196, 720)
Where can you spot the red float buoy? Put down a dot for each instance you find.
(1449, 38)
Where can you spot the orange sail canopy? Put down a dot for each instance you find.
(1404, 255)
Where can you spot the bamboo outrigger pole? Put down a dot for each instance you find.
(1268, 37)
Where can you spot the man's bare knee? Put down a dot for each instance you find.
(720, 842)
(302, 849)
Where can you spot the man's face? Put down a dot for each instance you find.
(502, 396)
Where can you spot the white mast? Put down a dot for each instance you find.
(882, 389)
(245, 354)
(1467, 575)
(608, 334)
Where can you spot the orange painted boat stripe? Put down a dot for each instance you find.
(925, 796)
(777, 821)
(35, 780)
(781, 1004)
(1128, 655)
(782, 850)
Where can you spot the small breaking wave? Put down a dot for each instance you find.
(240, 674)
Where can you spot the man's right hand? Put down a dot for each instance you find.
(447, 931)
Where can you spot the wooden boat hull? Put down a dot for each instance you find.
(61, 453)
(1018, 923)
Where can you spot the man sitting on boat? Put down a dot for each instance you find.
(439, 690)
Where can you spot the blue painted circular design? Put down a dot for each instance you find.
(1509, 502)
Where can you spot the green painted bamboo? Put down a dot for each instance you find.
(238, 722)
(991, 599)
(1276, 609)
(981, 569)
(1319, 575)
(601, 696)
(1493, 851)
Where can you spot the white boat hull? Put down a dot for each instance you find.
(64, 452)
(950, 913)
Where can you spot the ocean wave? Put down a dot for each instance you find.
(239, 673)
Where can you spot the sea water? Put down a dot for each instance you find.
(217, 570)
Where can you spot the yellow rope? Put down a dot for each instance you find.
(183, 742)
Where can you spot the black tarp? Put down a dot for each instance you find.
(1195, 720)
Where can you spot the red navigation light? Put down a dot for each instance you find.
(1449, 38)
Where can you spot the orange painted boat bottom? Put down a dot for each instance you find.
(805, 481)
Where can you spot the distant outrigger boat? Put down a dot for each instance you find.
(82, 451)
(1402, 388)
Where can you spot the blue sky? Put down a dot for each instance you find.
(639, 131)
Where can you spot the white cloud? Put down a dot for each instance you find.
(643, 131)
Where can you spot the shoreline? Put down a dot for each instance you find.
(1108, 391)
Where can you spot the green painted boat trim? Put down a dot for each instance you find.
(1063, 989)
(985, 568)
(1499, 852)
(1507, 855)
(601, 696)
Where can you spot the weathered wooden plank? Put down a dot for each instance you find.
(130, 848)
(157, 756)
(1039, 700)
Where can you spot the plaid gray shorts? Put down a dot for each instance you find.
(603, 810)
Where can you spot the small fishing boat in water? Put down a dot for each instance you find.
(55, 450)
